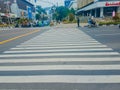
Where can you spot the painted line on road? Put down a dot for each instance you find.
(58, 54)
(61, 50)
(32, 60)
(49, 45)
(60, 47)
(61, 79)
(14, 38)
(60, 67)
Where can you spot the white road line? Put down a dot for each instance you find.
(60, 54)
(41, 45)
(61, 50)
(61, 79)
(98, 46)
(60, 67)
(58, 60)
(58, 42)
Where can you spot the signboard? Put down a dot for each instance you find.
(29, 12)
(112, 4)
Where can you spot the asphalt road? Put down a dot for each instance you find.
(108, 35)
(62, 58)
(13, 37)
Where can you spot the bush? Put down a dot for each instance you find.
(51, 23)
(116, 17)
(71, 17)
(109, 23)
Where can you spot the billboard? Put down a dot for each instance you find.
(29, 10)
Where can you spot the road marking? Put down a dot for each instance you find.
(61, 79)
(14, 38)
(60, 67)
(51, 44)
(61, 50)
(58, 60)
(60, 54)
(60, 47)
(59, 42)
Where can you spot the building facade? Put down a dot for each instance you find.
(20, 8)
(73, 4)
(98, 8)
(67, 3)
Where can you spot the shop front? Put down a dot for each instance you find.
(101, 8)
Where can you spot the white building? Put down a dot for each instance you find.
(100, 8)
(73, 4)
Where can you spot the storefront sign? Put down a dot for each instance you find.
(112, 4)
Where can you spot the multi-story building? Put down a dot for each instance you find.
(20, 8)
(73, 4)
(98, 8)
(67, 2)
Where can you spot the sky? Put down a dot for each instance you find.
(48, 3)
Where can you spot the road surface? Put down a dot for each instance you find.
(62, 58)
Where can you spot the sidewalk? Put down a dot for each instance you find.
(71, 25)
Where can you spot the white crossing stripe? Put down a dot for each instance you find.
(18, 64)
(58, 60)
(60, 79)
(61, 47)
(51, 44)
(60, 50)
(60, 67)
(61, 54)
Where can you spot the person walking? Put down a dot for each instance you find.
(78, 21)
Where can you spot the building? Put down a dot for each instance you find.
(73, 4)
(18, 8)
(67, 3)
(97, 8)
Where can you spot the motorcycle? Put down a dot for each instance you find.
(92, 23)
(119, 25)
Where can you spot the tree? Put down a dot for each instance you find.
(72, 11)
(71, 17)
(61, 13)
(40, 13)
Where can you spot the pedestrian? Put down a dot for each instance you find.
(78, 21)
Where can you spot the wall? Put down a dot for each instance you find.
(82, 3)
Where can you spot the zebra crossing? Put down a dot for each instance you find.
(60, 55)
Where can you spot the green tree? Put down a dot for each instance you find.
(61, 13)
(72, 11)
(40, 13)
